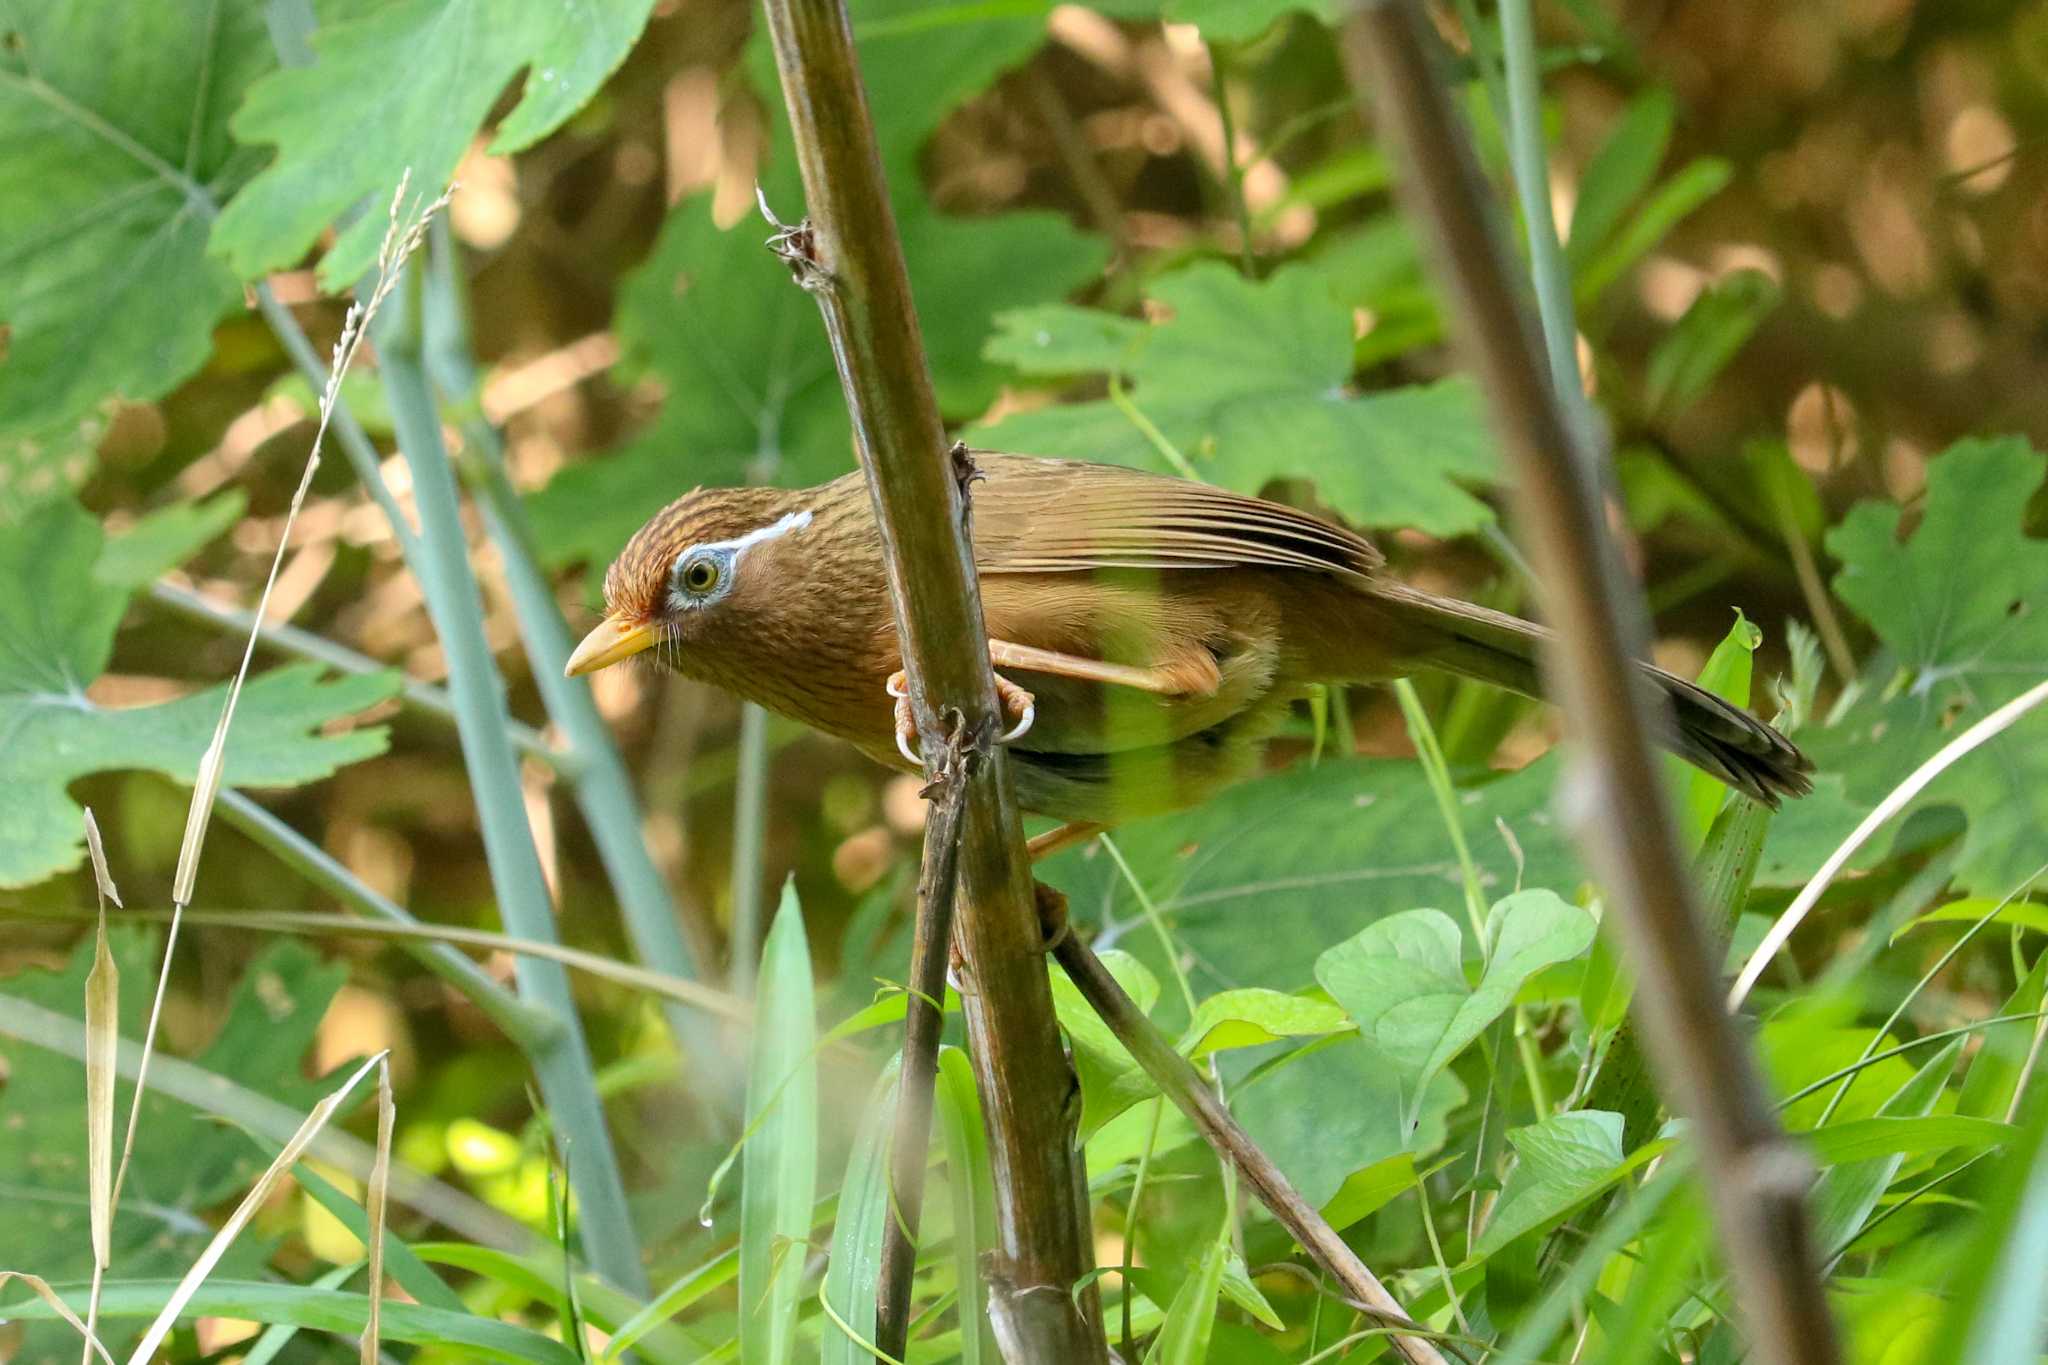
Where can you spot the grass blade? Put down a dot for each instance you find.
(380, 1184)
(864, 1203)
(972, 1191)
(779, 1164)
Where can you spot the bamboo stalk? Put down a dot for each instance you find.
(850, 258)
(1614, 797)
(568, 1083)
(600, 783)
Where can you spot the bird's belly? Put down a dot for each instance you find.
(1112, 787)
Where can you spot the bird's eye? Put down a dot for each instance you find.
(700, 575)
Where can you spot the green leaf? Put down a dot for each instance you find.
(864, 1203)
(165, 539)
(1254, 1015)
(1190, 1318)
(184, 1163)
(1726, 674)
(412, 1274)
(1403, 979)
(1994, 1074)
(57, 629)
(1851, 1186)
(1717, 325)
(779, 1163)
(713, 322)
(1961, 607)
(1111, 1079)
(1248, 380)
(1563, 1161)
(1621, 171)
(116, 155)
(1997, 1292)
(1892, 1135)
(1668, 205)
(323, 1310)
(1369, 1189)
(957, 1107)
(424, 74)
(1331, 1112)
(1258, 879)
(1237, 1286)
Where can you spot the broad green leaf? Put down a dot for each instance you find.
(1252, 1016)
(184, 1163)
(1257, 880)
(1892, 1135)
(323, 1310)
(1332, 1111)
(779, 1162)
(1248, 380)
(57, 627)
(1403, 979)
(1717, 325)
(1236, 20)
(1961, 608)
(713, 322)
(1562, 1162)
(115, 158)
(1808, 1041)
(426, 74)
(864, 1204)
(1621, 170)
(165, 539)
(1851, 1186)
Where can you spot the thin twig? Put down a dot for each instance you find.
(1178, 1080)
(923, 1022)
(1615, 797)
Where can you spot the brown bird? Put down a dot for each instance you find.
(1149, 633)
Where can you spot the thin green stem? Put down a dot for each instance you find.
(1532, 186)
(749, 845)
(603, 788)
(440, 559)
(1155, 919)
(1233, 173)
(521, 1022)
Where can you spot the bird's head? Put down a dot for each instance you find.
(689, 581)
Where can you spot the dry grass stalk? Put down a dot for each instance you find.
(102, 1043)
(373, 1206)
(194, 1277)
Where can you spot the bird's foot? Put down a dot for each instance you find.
(1019, 706)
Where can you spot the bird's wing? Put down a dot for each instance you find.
(1060, 516)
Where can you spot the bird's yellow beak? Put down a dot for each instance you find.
(611, 641)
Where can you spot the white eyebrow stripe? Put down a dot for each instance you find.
(795, 521)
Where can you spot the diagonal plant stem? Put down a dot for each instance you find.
(1178, 1080)
(1042, 1304)
(454, 601)
(1615, 798)
(602, 787)
(289, 639)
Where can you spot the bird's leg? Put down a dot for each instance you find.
(1065, 837)
(1019, 705)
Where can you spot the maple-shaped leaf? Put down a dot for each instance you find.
(115, 159)
(58, 615)
(1248, 381)
(403, 87)
(1961, 607)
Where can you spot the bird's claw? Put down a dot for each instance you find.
(1018, 705)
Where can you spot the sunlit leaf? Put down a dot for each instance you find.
(779, 1163)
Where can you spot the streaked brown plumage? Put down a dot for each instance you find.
(1215, 612)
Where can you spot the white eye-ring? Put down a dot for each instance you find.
(703, 574)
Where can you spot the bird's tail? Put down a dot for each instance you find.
(1713, 735)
